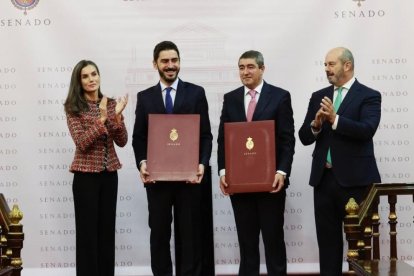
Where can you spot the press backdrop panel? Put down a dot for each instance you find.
(38, 52)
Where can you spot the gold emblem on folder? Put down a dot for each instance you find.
(249, 143)
(173, 135)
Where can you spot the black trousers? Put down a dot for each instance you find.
(329, 203)
(255, 213)
(184, 200)
(95, 197)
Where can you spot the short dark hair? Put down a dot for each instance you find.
(256, 55)
(165, 45)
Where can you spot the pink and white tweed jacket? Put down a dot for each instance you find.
(94, 141)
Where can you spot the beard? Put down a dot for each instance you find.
(166, 78)
(334, 78)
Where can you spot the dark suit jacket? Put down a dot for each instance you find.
(274, 104)
(351, 144)
(190, 99)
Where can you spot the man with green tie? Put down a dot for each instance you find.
(342, 120)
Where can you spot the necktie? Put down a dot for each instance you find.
(168, 100)
(336, 105)
(338, 99)
(252, 105)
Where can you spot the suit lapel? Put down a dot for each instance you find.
(179, 96)
(350, 96)
(158, 100)
(239, 105)
(264, 100)
(330, 93)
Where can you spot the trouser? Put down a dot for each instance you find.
(329, 202)
(95, 197)
(255, 213)
(185, 200)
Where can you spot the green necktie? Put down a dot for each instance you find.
(336, 105)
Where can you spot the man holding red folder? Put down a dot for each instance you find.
(260, 212)
(173, 96)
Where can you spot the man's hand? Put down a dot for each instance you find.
(144, 174)
(328, 109)
(278, 183)
(319, 119)
(223, 185)
(200, 174)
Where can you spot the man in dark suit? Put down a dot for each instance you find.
(342, 119)
(260, 212)
(172, 95)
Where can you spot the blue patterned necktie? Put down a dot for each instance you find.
(336, 105)
(168, 100)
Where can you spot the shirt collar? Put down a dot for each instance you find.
(347, 85)
(174, 85)
(258, 89)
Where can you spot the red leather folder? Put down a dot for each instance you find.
(250, 156)
(173, 146)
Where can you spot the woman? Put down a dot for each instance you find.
(95, 122)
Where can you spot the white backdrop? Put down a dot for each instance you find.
(38, 51)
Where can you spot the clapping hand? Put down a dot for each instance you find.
(121, 102)
(328, 110)
(103, 109)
